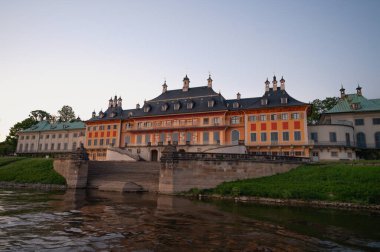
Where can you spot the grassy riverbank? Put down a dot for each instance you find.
(356, 183)
(29, 170)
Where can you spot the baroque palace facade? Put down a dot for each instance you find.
(198, 119)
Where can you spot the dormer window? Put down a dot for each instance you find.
(146, 108)
(235, 105)
(176, 106)
(355, 106)
(113, 114)
(164, 107)
(264, 101)
(211, 103)
(190, 105)
(101, 114)
(284, 100)
(130, 114)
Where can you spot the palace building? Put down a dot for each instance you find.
(198, 119)
(50, 138)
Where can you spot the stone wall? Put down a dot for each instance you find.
(74, 171)
(182, 172)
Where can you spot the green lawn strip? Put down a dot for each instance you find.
(328, 182)
(31, 170)
(8, 160)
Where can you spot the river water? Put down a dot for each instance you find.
(104, 221)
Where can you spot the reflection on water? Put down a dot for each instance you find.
(104, 221)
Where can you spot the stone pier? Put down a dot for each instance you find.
(74, 168)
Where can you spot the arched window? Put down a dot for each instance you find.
(235, 137)
(377, 140)
(360, 140)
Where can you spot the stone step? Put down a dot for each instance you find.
(120, 186)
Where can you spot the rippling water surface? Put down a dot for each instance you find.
(104, 221)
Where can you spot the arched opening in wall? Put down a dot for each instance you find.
(154, 155)
(360, 140)
(235, 137)
(181, 150)
(377, 140)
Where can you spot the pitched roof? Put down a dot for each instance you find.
(175, 102)
(345, 105)
(191, 93)
(47, 126)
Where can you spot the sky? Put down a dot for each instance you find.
(80, 53)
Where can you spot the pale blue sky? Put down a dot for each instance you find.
(79, 53)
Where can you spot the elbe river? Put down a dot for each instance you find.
(106, 221)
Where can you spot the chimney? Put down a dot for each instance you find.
(274, 82)
(359, 90)
(110, 103)
(119, 102)
(282, 81)
(267, 85)
(115, 101)
(238, 96)
(164, 87)
(342, 92)
(186, 84)
(138, 106)
(93, 114)
(209, 81)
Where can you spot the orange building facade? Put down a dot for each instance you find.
(200, 120)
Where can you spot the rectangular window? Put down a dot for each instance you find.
(273, 126)
(263, 137)
(65, 146)
(75, 134)
(334, 154)
(205, 121)
(53, 136)
(273, 117)
(52, 146)
(216, 137)
(127, 140)
(253, 127)
(101, 142)
(162, 137)
(359, 122)
(40, 147)
(295, 116)
(108, 127)
(376, 121)
(297, 135)
(107, 142)
(274, 136)
(59, 146)
(216, 120)
(66, 135)
(235, 120)
(252, 118)
(47, 136)
(89, 143)
(263, 126)
(188, 137)
(175, 137)
(113, 141)
(46, 147)
(59, 135)
(314, 136)
(253, 137)
(205, 137)
(285, 136)
(263, 117)
(139, 139)
(95, 142)
(332, 137)
(284, 116)
(297, 125)
(285, 125)
(115, 126)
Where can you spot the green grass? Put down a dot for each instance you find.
(328, 182)
(29, 170)
(8, 160)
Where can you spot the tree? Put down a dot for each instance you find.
(321, 106)
(40, 115)
(12, 137)
(66, 114)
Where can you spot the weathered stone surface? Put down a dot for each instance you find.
(74, 171)
(120, 186)
(183, 175)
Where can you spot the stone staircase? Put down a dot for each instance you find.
(123, 176)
